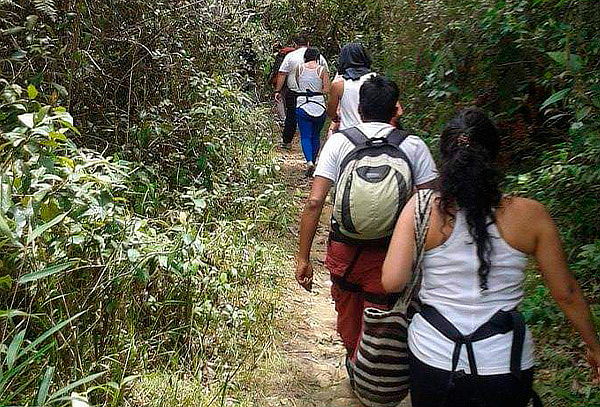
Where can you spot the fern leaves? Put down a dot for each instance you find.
(46, 7)
(7, 3)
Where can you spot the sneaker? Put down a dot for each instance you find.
(310, 169)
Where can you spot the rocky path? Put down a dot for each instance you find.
(313, 353)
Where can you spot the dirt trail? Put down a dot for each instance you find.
(313, 353)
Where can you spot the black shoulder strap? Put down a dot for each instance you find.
(397, 137)
(355, 136)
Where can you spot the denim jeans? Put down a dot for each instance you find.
(310, 133)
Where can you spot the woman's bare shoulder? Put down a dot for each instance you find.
(518, 203)
(523, 210)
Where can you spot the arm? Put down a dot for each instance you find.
(563, 287)
(425, 171)
(308, 228)
(397, 267)
(335, 94)
(281, 77)
(326, 81)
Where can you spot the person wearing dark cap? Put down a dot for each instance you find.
(354, 68)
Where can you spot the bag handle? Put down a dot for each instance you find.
(423, 209)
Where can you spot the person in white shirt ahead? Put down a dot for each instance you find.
(354, 68)
(313, 85)
(378, 107)
(287, 73)
(476, 251)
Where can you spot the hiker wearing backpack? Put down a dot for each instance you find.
(313, 83)
(468, 345)
(280, 53)
(374, 168)
(354, 68)
(286, 76)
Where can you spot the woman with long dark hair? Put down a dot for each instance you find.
(313, 84)
(469, 346)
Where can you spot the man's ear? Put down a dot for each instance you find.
(397, 114)
(399, 109)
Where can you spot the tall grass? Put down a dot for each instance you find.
(109, 279)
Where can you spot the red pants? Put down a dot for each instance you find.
(366, 273)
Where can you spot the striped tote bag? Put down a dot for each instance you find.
(379, 368)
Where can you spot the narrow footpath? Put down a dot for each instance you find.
(313, 353)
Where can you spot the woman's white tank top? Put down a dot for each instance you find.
(348, 107)
(451, 285)
(310, 79)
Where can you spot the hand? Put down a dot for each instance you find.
(304, 274)
(277, 97)
(334, 126)
(593, 358)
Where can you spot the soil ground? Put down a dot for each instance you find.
(313, 354)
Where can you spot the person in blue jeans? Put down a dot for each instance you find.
(313, 84)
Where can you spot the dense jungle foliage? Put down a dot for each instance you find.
(142, 211)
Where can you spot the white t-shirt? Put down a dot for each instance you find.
(290, 64)
(338, 147)
(348, 107)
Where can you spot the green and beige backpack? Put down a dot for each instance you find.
(375, 183)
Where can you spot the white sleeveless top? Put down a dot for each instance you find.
(451, 285)
(310, 79)
(348, 107)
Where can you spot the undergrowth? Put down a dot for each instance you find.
(105, 280)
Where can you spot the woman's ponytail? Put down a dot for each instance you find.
(469, 179)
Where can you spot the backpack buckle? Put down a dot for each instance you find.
(376, 141)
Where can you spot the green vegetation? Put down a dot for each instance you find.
(139, 240)
(534, 66)
(144, 217)
(91, 251)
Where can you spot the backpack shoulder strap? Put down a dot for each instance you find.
(355, 135)
(396, 137)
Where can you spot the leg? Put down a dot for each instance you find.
(316, 140)
(428, 385)
(289, 128)
(349, 305)
(306, 128)
(506, 390)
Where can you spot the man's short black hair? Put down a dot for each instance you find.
(301, 41)
(378, 98)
